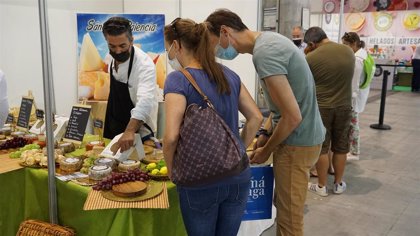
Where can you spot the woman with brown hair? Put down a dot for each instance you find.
(215, 208)
(359, 93)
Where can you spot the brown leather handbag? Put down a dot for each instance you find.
(207, 149)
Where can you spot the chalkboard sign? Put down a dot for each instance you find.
(39, 114)
(9, 119)
(77, 123)
(98, 123)
(25, 112)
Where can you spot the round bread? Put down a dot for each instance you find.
(130, 189)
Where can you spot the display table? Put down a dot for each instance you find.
(24, 196)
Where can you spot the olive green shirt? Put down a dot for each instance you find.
(332, 66)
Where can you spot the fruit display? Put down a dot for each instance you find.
(120, 178)
(87, 163)
(16, 154)
(157, 168)
(13, 143)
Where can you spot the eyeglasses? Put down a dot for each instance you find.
(173, 26)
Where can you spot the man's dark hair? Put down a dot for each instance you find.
(314, 35)
(224, 17)
(116, 26)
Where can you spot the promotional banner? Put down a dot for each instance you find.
(260, 198)
(93, 53)
(333, 6)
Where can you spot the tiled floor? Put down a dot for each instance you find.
(383, 187)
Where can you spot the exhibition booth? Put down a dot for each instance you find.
(54, 58)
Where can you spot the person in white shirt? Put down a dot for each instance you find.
(359, 96)
(297, 38)
(132, 103)
(4, 104)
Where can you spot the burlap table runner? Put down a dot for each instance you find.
(96, 201)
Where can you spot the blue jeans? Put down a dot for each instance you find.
(215, 210)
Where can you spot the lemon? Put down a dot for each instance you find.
(163, 170)
(155, 172)
(151, 166)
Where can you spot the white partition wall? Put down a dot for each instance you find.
(20, 47)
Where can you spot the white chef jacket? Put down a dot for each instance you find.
(4, 105)
(359, 96)
(142, 88)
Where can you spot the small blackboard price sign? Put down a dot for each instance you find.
(9, 119)
(25, 113)
(39, 114)
(98, 123)
(77, 123)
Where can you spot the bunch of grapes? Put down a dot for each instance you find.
(13, 143)
(119, 178)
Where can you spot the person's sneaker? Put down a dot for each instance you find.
(317, 190)
(340, 188)
(352, 157)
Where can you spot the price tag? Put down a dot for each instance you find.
(39, 114)
(98, 123)
(25, 112)
(9, 119)
(77, 123)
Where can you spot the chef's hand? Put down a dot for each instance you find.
(259, 156)
(126, 141)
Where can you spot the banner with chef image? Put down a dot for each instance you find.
(93, 52)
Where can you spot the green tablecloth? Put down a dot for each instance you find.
(24, 195)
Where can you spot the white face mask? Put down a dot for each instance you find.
(174, 63)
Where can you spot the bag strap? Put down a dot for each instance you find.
(195, 85)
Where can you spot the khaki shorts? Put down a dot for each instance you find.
(337, 124)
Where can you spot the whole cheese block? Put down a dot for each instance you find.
(130, 189)
(66, 147)
(30, 137)
(90, 145)
(17, 134)
(99, 172)
(128, 165)
(71, 164)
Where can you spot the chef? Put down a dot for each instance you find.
(132, 103)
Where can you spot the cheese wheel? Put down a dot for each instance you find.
(99, 172)
(71, 164)
(128, 165)
(112, 163)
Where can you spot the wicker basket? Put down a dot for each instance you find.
(38, 228)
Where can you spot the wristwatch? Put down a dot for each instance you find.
(263, 132)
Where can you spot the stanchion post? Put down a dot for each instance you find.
(381, 124)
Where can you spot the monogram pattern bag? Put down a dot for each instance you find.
(207, 149)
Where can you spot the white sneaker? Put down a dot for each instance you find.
(340, 188)
(352, 157)
(317, 190)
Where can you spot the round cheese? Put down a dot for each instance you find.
(128, 165)
(99, 172)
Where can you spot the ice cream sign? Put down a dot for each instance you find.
(93, 53)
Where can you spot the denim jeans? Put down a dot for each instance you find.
(215, 210)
